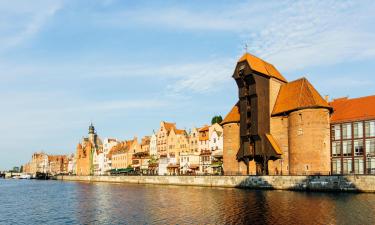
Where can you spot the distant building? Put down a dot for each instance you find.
(153, 145)
(121, 155)
(216, 147)
(145, 144)
(171, 142)
(58, 164)
(85, 153)
(204, 150)
(189, 159)
(38, 163)
(353, 135)
(162, 137)
(72, 164)
(44, 163)
(163, 164)
(108, 144)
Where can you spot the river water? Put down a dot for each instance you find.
(59, 202)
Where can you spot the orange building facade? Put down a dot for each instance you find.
(85, 153)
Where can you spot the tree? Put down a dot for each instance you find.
(216, 119)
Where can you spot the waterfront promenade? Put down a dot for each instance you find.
(352, 183)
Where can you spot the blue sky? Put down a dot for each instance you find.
(127, 65)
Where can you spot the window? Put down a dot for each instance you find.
(370, 146)
(336, 166)
(347, 131)
(347, 166)
(371, 165)
(358, 166)
(358, 130)
(336, 132)
(370, 128)
(358, 147)
(336, 148)
(347, 148)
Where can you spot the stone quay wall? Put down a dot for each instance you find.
(350, 183)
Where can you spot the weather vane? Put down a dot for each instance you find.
(245, 47)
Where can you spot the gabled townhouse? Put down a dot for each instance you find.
(108, 144)
(189, 160)
(216, 147)
(153, 145)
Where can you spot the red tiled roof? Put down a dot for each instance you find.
(296, 95)
(181, 132)
(204, 128)
(233, 116)
(169, 126)
(262, 66)
(345, 110)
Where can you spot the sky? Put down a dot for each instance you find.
(127, 65)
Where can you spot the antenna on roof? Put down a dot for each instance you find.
(246, 47)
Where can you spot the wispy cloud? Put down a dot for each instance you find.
(317, 33)
(290, 34)
(28, 17)
(196, 77)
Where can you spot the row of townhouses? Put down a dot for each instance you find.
(168, 151)
(52, 164)
(277, 127)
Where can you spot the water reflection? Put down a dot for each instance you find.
(35, 202)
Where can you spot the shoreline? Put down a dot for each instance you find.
(311, 183)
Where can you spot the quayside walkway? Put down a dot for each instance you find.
(350, 183)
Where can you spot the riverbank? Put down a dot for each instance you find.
(352, 183)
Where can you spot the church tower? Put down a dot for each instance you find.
(92, 134)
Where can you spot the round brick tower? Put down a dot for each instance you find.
(309, 141)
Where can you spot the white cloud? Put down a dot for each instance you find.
(27, 19)
(290, 34)
(316, 33)
(197, 77)
(37, 111)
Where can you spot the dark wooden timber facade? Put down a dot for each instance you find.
(254, 107)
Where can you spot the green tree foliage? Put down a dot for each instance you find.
(216, 119)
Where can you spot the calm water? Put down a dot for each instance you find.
(57, 202)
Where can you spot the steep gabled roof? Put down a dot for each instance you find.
(262, 66)
(296, 95)
(233, 116)
(346, 110)
(204, 128)
(146, 140)
(169, 126)
(180, 132)
(120, 148)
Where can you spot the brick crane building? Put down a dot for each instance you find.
(277, 127)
